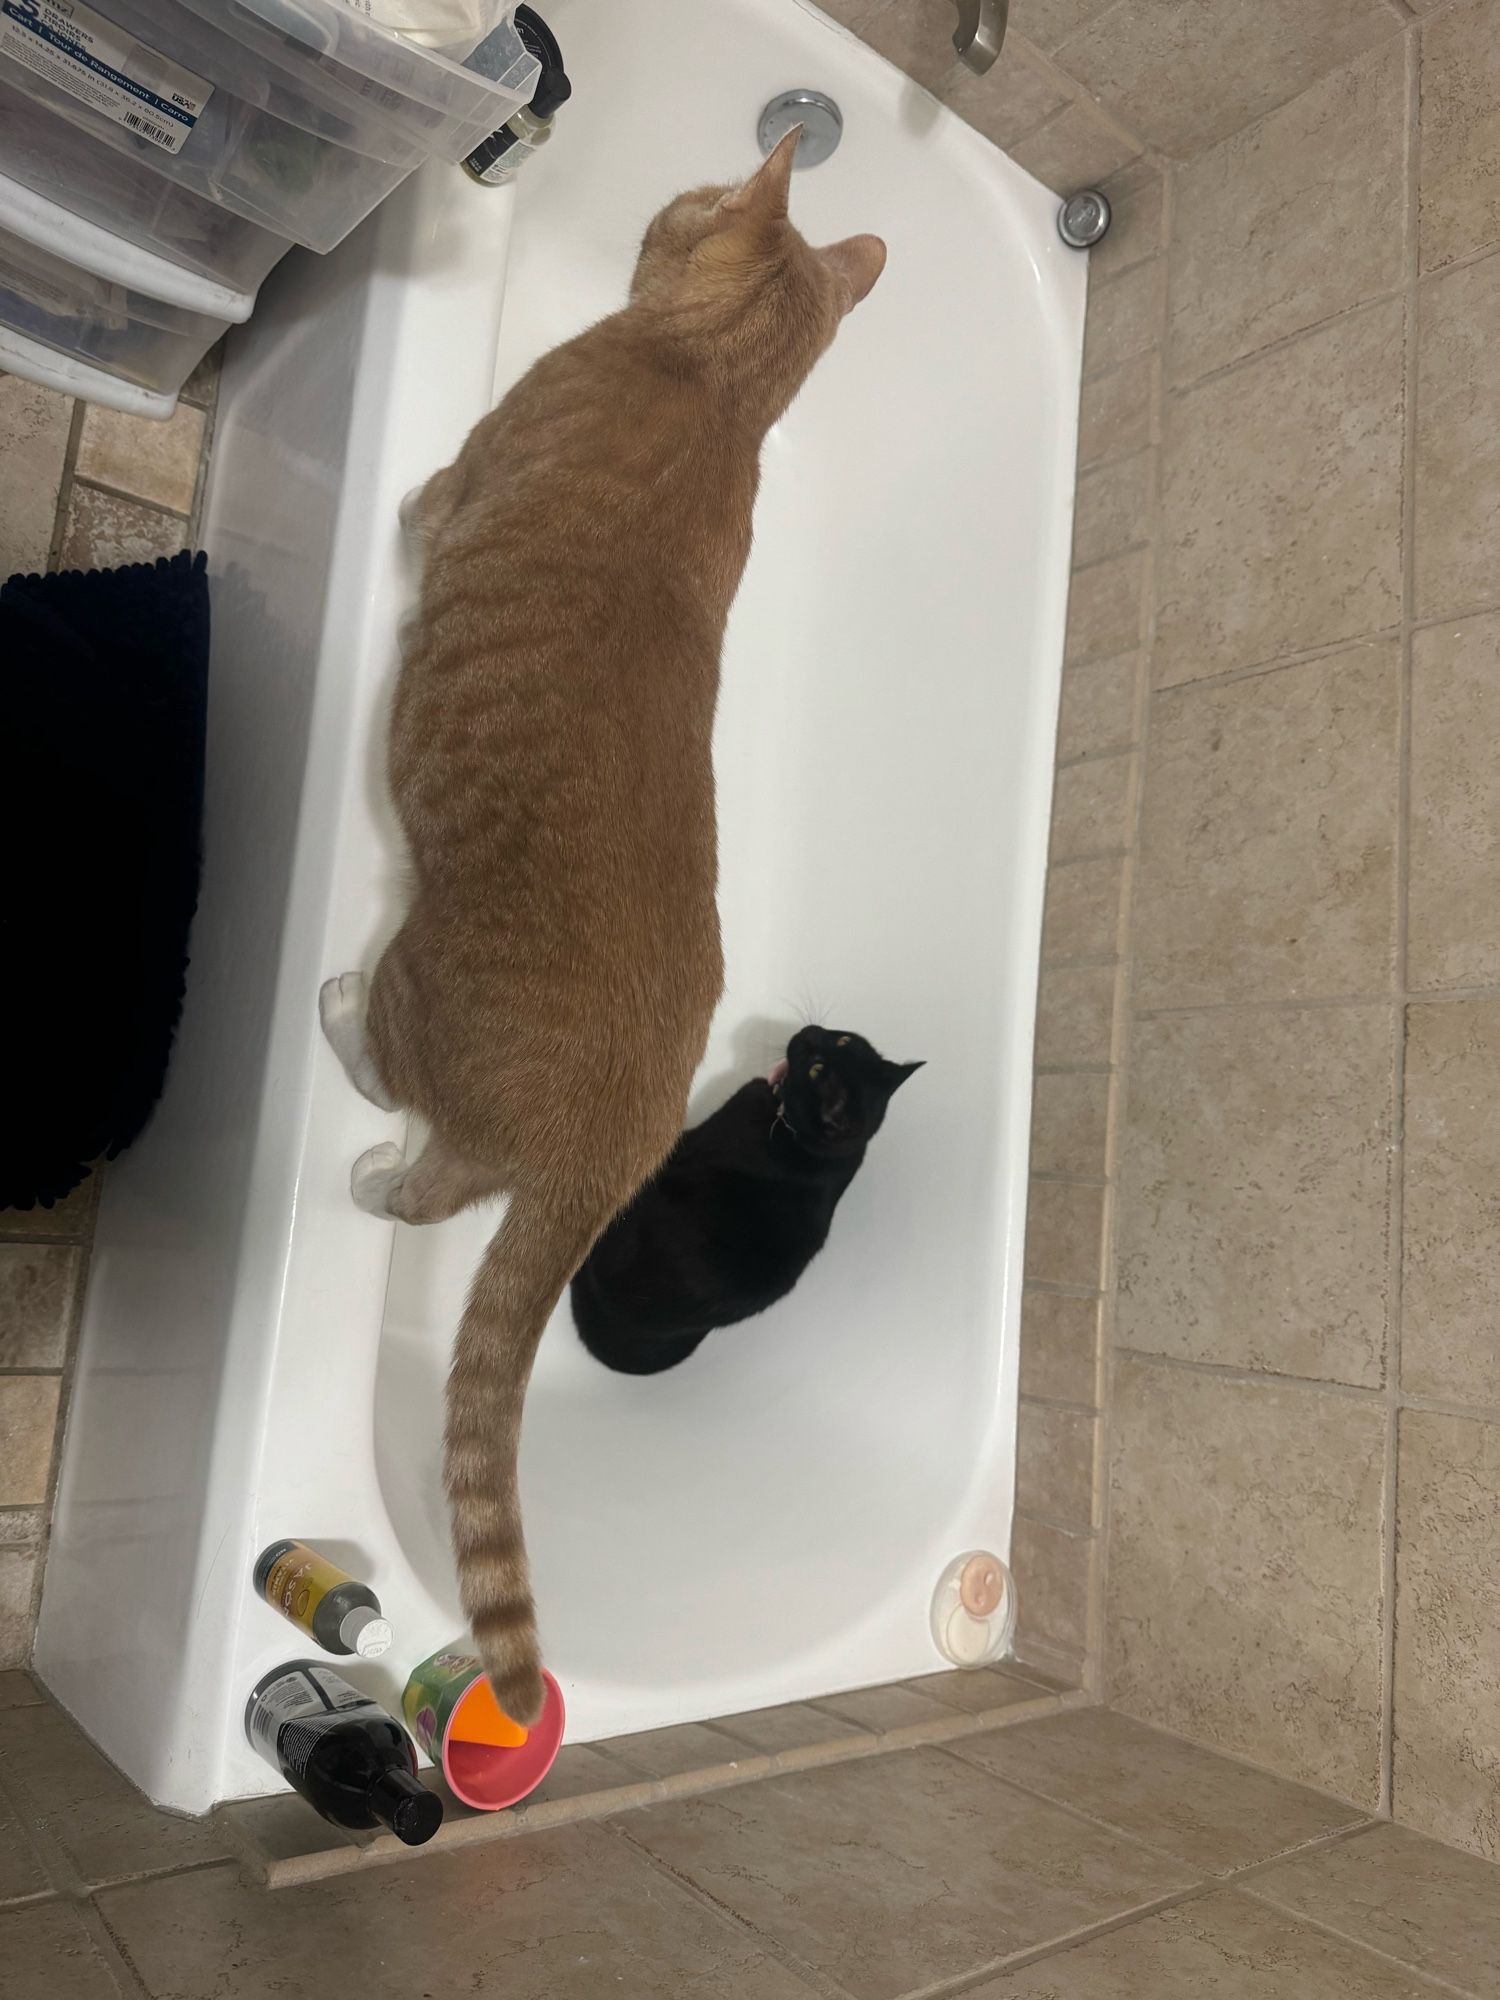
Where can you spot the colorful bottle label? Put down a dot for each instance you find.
(298, 1582)
(432, 1693)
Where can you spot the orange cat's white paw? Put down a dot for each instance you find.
(408, 511)
(341, 1009)
(376, 1176)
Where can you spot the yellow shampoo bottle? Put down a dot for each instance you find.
(337, 1610)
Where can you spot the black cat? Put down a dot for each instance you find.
(741, 1208)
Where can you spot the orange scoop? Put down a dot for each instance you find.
(479, 1718)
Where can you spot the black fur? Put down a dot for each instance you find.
(741, 1208)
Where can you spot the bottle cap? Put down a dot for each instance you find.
(365, 1632)
(411, 1812)
(553, 85)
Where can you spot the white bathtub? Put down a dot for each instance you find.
(260, 1359)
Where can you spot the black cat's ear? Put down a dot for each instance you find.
(897, 1073)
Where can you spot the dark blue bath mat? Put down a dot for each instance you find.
(103, 690)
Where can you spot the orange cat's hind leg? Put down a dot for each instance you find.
(437, 1184)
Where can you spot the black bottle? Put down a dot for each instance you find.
(350, 1760)
(529, 126)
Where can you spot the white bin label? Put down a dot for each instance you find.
(103, 67)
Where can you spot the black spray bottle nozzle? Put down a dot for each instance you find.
(553, 86)
(551, 89)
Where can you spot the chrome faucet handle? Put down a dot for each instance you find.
(980, 34)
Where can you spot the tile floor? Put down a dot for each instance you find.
(1071, 1856)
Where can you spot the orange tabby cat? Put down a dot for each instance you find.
(547, 999)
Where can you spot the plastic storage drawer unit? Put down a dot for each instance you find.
(62, 167)
(52, 303)
(297, 116)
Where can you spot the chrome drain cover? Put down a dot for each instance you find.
(820, 118)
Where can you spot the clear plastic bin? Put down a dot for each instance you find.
(330, 48)
(306, 113)
(64, 165)
(51, 302)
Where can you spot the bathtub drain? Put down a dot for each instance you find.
(820, 118)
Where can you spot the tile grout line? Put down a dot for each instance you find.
(1437, 272)
(1108, 854)
(65, 487)
(1018, 1961)
(111, 1948)
(1073, 94)
(1234, 1881)
(1396, 1210)
(1076, 1531)
(1395, 295)
(1330, 649)
(1276, 663)
(1263, 1378)
(1437, 996)
(1438, 1406)
(1073, 1534)
(1060, 1403)
(1127, 1920)
(210, 409)
(133, 499)
(811, 1975)
(1308, 1005)
(1076, 94)
(70, 1888)
(1096, 1614)
(1421, 1974)
(60, 1422)
(1360, 1823)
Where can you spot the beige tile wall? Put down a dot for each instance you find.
(80, 489)
(1259, 1462)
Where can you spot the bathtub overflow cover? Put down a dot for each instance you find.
(820, 118)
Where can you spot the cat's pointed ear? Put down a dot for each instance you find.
(767, 192)
(897, 1073)
(855, 264)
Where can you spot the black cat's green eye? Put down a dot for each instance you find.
(816, 1070)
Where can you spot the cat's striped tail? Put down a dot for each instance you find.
(521, 1277)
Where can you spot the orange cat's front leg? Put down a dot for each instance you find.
(426, 509)
(342, 1006)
